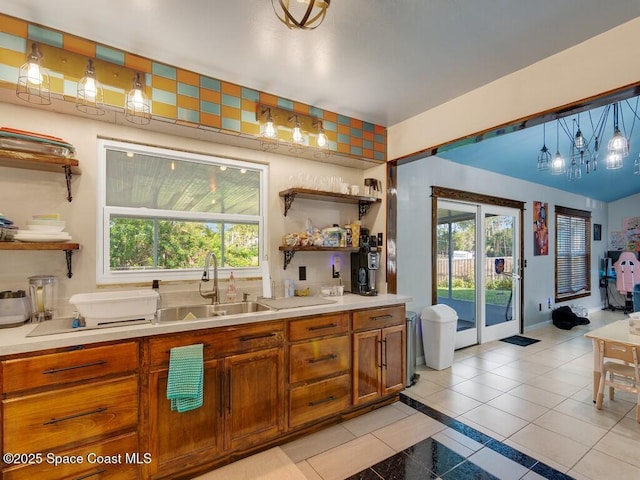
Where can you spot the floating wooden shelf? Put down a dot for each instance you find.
(67, 247)
(289, 252)
(364, 203)
(42, 162)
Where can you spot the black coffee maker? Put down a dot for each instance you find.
(364, 265)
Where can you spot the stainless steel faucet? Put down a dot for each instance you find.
(213, 294)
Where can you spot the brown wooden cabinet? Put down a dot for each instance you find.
(379, 344)
(80, 401)
(319, 364)
(243, 401)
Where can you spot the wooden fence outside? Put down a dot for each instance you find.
(464, 269)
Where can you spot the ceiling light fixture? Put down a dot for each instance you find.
(618, 145)
(90, 95)
(296, 135)
(268, 132)
(558, 166)
(33, 79)
(545, 156)
(301, 14)
(137, 108)
(322, 141)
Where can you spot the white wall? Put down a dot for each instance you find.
(26, 192)
(414, 230)
(619, 210)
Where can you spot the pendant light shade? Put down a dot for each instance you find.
(137, 108)
(544, 157)
(297, 138)
(558, 165)
(33, 79)
(301, 14)
(90, 96)
(618, 146)
(268, 131)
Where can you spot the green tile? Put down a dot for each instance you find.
(368, 144)
(230, 101)
(164, 97)
(188, 90)
(210, 83)
(164, 71)
(379, 156)
(343, 138)
(356, 132)
(8, 74)
(210, 107)
(367, 127)
(330, 126)
(356, 150)
(231, 124)
(379, 138)
(249, 94)
(284, 103)
(11, 42)
(188, 115)
(316, 112)
(249, 117)
(342, 120)
(110, 54)
(44, 35)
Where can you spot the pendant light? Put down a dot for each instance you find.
(301, 14)
(322, 141)
(558, 166)
(618, 146)
(545, 156)
(268, 131)
(33, 79)
(90, 96)
(296, 135)
(137, 108)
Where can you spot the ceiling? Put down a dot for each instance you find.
(381, 61)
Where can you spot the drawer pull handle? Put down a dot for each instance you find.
(322, 327)
(247, 338)
(324, 358)
(99, 471)
(205, 345)
(324, 400)
(382, 317)
(73, 367)
(77, 415)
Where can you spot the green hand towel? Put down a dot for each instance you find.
(186, 375)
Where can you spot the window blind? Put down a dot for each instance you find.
(573, 260)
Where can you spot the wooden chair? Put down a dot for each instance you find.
(619, 369)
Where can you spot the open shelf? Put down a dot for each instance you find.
(289, 252)
(364, 203)
(66, 247)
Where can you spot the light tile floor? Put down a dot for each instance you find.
(534, 400)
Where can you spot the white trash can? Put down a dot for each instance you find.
(439, 324)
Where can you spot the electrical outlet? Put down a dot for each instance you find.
(302, 273)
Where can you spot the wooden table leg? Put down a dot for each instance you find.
(596, 384)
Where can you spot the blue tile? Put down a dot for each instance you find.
(210, 83)
(284, 103)
(379, 138)
(11, 42)
(368, 144)
(343, 138)
(231, 124)
(356, 132)
(330, 126)
(249, 94)
(44, 35)
(355, 150)
(210, 107)
(379, 156)
(230, 101)
(316, 112)
(342, 120)
(110, 55)
(164, 71)
(367, 127)
(511, 453)
(8, 74)
(188, 115)
(163, 96)
(549, 473)
(249, 117)
(188, 90)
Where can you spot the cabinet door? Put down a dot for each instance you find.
(188, 438)
(366, 366)
(254, 403)
(393, 359)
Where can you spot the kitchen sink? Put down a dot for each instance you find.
(192, 312)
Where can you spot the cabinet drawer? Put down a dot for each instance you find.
(118, 453)
(318, 400)
(378, 318)
(69, 415)
(318, 358)
(318, 326)
(65, 367)
(221, 341)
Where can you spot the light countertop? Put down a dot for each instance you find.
(15, 340)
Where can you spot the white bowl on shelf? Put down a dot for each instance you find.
(46, 225)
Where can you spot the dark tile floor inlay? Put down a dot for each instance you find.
(429, 459)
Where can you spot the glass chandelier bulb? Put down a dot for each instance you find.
(33, 73)
(579, 140)
(90, 88)
(297, 134)
(618, 144)
(558, 165)
(270, 130)
(138, 99)
(614, 161)
(323, 141)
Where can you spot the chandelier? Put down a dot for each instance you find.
(301, 14)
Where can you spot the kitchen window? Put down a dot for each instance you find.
(573, 259)
(163, 210)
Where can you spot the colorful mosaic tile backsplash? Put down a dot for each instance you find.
(182, 96)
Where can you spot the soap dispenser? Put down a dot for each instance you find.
(231, 290)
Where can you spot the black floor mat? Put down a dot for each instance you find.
(520, 340)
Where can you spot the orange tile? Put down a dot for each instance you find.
(355, 123)
(231, 89)
(165, 84)
(343, 148)
(190, 78)
(210, 120)
(368, 136)
(14, 26)
(164, 110)
(209, 95)
(250, 128)
(248, 105)
(345, 129)
(330, 116)
(230, 112)
(79, 45)
(366, 153)
(356, 142)
(379, 130)
(268, 99)
(188, 102)
(137, 63)
(301, 108)
(379, 147)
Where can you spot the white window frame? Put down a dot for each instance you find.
(103, 273)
